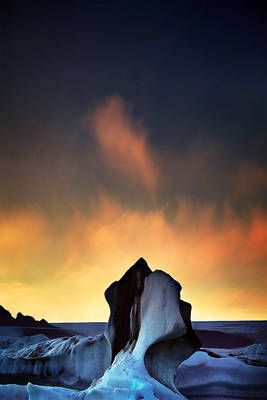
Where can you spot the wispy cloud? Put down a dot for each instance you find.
(123, 143)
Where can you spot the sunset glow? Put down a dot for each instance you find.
(139, 138)
(218, 259)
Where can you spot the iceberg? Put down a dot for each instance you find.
(149, 351)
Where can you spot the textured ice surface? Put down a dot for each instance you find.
(199, 377)
(11, 345)
(13, 392)
(127, 378)
(256, 354)
(74, 361)
(202, 375)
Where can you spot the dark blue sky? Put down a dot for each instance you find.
(192, 71)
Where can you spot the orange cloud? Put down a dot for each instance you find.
(124, 144)
(65, 256)
(46, 268)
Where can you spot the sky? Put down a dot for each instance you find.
(133, 129)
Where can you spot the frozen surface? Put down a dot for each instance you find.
(238, 374)
(202, 375)
(83, 328)
(74, 361)
(199, 377)
(13, 392)
(256, 354)
(11, 345)
(254, 330)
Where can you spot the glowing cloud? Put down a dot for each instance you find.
(215, 261)
(124, 144)
(93, 220)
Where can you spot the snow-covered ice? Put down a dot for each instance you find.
(74, 361)
(204, 376)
